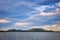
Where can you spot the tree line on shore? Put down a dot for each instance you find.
(30, 30)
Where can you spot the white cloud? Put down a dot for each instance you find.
(46, 14)
(56, 12)
(4, 21)
(22, 24)
(54, 27)
(58, 4)
(25, 3)
(42, 8)
(36, 27)
(35, 16)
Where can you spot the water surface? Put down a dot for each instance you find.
(29, 36)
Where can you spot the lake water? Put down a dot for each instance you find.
(29, 36)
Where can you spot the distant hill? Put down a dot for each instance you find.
(39, 30)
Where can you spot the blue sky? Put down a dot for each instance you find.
(27, 14)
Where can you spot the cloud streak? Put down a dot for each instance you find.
(4, 21)
(30, 4)
(21, 24)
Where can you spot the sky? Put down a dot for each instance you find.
(27, 14)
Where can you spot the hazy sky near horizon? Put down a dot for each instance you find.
(26, 14)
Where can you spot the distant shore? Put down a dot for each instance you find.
(30, 30)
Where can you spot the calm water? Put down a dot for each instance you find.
(29, 36)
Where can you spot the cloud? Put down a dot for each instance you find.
(40, 12)
(57, 11)
(38, 15)
(46, 14)
(41, 8)
(4, 21)
(36, 27)
(21, 24)
(58, 4)
(54, 27)
(30, 4)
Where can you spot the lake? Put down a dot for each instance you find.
(29, 36)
